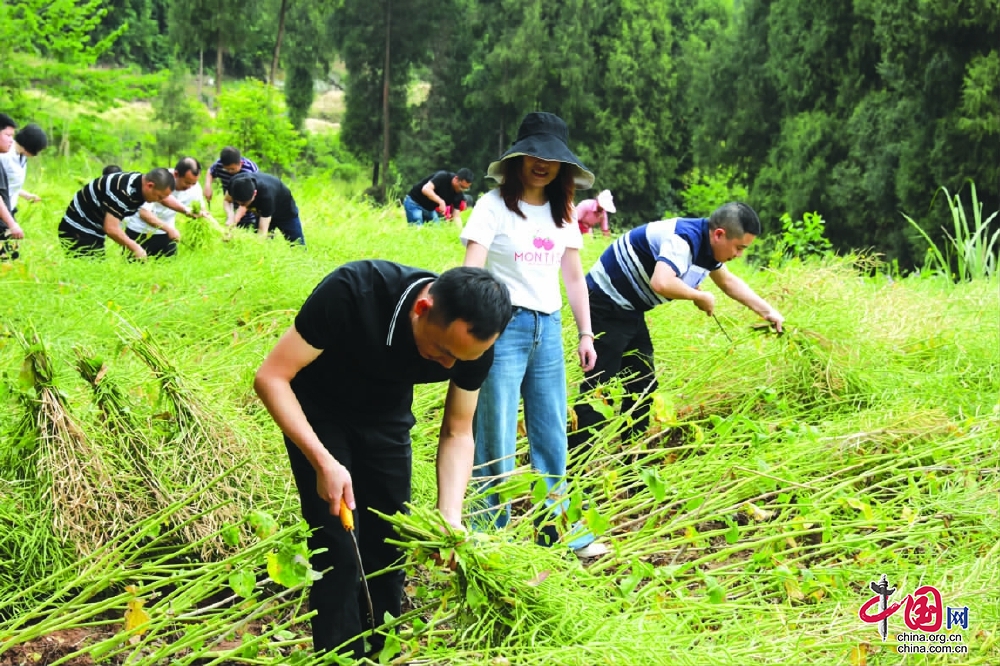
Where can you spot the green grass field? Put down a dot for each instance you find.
(147, 515)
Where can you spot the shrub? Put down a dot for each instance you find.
(704, 192)
(799, 239)
(324, 152)
(970, 252)
(182, 116)
(252, 118)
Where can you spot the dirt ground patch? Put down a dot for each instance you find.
(318, 126)
(48, 649)
(328, 106)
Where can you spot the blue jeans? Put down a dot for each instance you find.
(417, 214)
(291, 229)
(528, 363)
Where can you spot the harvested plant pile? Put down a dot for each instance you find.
(200, 446)
(86, 506)
(508, 592)
(782, 475)
(134, 439)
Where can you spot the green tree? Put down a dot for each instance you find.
(856, 110)
(144, 41)
(639, 136)
(62, 32)
(214, 26)
(980, 109)
(615, 72)
(493, 62)
(182, 116)
(252, 118)
(365, 34)
(306, 53)
(299, 93)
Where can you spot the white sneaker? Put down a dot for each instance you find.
(593, 549)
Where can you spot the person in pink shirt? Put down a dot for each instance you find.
(591, 212)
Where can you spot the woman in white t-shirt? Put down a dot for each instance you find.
(525, 232)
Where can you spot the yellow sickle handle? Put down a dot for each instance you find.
(346, 516)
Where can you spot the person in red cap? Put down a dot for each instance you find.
(591, 212)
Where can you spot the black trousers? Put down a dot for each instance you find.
(623, 349)
(80, 244)
(8, 246)
(155, 245)
(380, 462)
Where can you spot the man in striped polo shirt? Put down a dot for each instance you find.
(98, 209)
(654, 264)
(229, 164)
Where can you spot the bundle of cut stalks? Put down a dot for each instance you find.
(201, 232)
(133, 440)
(201, 446)
(503, 592)
(86, 509)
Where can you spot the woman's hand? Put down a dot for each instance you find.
(585, 350)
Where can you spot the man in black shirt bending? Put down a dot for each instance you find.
(272, 202)
(435, 194)
(339, 384)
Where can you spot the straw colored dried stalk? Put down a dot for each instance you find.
(202, 446)
(133, 440)
(86, 508)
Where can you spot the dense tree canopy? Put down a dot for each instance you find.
(857, 110)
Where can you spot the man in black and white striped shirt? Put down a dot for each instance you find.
(98, 209)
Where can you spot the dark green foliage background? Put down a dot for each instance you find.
(858, 110)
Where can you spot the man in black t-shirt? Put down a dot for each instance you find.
(339, 384)
(272, 202)
(434, 194)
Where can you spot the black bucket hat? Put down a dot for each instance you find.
(544, 135)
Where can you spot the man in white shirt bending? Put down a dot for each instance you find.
(153, 226)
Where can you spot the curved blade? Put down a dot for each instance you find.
(347, 520)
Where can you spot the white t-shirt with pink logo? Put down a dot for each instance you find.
(524, 253)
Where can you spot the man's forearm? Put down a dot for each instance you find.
(116, 234)
(176, 206)
(430, 192)
(740, 291)
(5, 215)
(675, 289)
(150, 219)
(454, 469)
